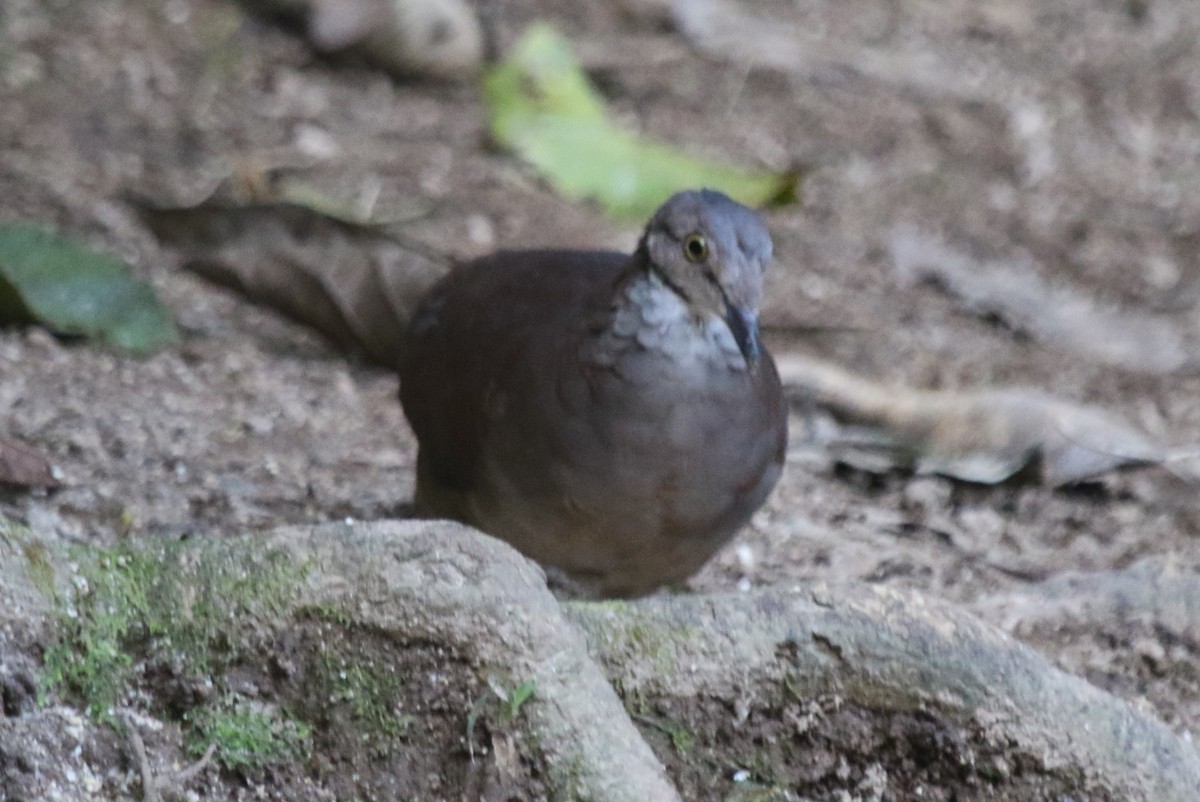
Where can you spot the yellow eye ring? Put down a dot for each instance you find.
(695, 248)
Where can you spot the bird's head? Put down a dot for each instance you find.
(712, 252)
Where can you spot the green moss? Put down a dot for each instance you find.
(681, 737)
(37, 562)
(647, 639)
(172, 603)
(369, 692)
(363, 690)
(247, 734)
(327, 612)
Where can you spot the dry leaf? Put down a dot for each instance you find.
(1058, 315)
(355, 283)
(984, 436)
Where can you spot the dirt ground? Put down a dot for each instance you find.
(1064, 136)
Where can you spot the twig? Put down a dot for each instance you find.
(152, 785)
(149, 782)
(183, 775)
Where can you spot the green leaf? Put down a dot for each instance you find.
(542, 106)
(73, 290)
(520, 696)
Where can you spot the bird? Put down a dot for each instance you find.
(613, 416)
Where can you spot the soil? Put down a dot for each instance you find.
(1063, 135)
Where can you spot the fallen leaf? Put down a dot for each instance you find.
(73, 290)
(1057, 315)
(985, 436)
(355, 282)
(24, 466)
(542, 106)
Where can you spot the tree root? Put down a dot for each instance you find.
(444, 583)
(1005, 718)
(895, 654)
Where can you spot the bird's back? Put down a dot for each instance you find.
(481, 325)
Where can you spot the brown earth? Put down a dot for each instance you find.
(1065, 135)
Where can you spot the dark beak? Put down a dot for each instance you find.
(744, 326)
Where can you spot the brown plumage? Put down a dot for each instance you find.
(612, 416)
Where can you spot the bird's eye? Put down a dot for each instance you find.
(695, 248)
